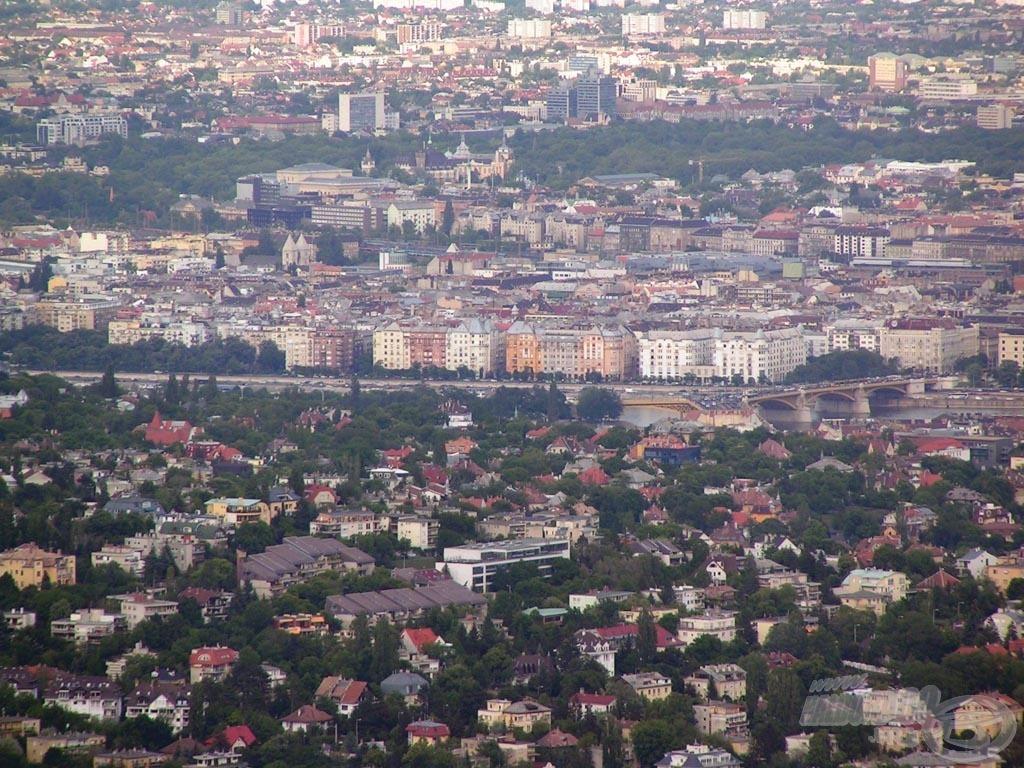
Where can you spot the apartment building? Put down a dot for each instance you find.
(932, 345)
(476, 345)
(713, 622)
(79, 129)
(87, 626)
(576, 352)
(89, 314)
(476, 565)
(762, 356)
(676, 355)
(30, 566)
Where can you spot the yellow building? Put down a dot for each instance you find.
(30, 566)
(652, 686)
(239, 511)
(508, 714)
(1006, 570)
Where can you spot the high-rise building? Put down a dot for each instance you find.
(79, 129)
(595, 96)
(744, 19)
(306, 34)
(229, 14)
(561, 105)
(636, 24)
(887, 73)
(995, 117)
(360, 112)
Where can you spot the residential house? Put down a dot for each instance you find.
(31, 566)
(306, 718)
(720, 681)
(409, 685)
(652, 686)
(211, 664)
(345, 694)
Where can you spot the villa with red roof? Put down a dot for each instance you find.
(166, 432)
(427, 732)
(211, 663)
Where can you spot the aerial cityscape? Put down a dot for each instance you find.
(511, 384)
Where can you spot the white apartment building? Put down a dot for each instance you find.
(891, 585)
(995, 117)
(420, 532)
(672, 355)
(79, 129)
(345, 524)
(851, 334)
(759, 356)
(860, 242)
(932, 346)
(138, 607)
(419, 213)
(477, 345)
(87, 626)
(128, 559)
(947, 87)
(476, 565)
(744, 19)
(530, 29)
(389, 348)
(716, 623)
(640, 24)
(187, 334)
(1011, 348)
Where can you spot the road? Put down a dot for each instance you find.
(278, 383)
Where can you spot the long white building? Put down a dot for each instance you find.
(761, 355)
(476, 565)
(675, 355)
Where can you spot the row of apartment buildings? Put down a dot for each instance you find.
(614, 353)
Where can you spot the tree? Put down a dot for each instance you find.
(647, 637)
(108, 385)
(598, 404)
(652, 739)
(785, 698)
(447, 219)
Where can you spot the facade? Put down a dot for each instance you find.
(887, 73)
(31, 566)
(728, 681)
(88, 626)
(716, 623)
(211, 664)
(476, 345)
(995, 117)
(476, 565)
(128, 559)
(642, 24)
(1011, 349)
(854, 242)
(508, 714)
(652, 686)
(157, 700)
(931, 346)
(744, 19)
(138, 607)
(578, 352)
(90, 696)
(79, 129)
(872, 589)
(360, 112)
(762, 356)
(676, 355)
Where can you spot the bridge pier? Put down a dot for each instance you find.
(861, 406)
(803, 414)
